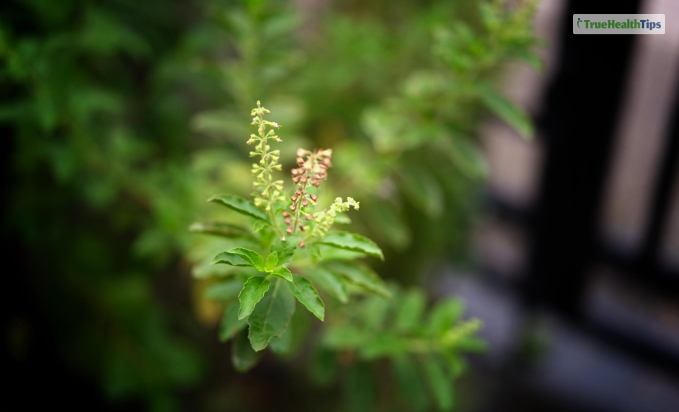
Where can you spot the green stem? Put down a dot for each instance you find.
(298, 210)
(269, 179)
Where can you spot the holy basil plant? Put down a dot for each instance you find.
(290, 250)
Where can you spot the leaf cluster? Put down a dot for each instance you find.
(423, 346)
(276, 270)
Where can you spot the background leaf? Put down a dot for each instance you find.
(359, 275)
(410, 382)
(507, 111)
(242, 355)
(231, 325)
(353, 242)
(224, 291)
(328, 282)
(240, 205)
(443, 315)
(439, 383)
(410, 310)
(220, 229)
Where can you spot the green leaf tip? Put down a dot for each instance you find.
(272, 262)
(283, 273)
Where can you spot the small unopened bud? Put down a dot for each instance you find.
(286, 214)
(314, 198)
(305, 202)
(301, 244)
(293, 207)
(301, 228)
(309, 217)
(287, 221)
(293, 198)
(289, 231)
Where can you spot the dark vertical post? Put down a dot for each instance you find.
(662, 190)
(581, 112)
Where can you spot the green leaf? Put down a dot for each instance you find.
(345, 336)
(328, 282)
(306, 294)
(224, 290)
(325, 252)
(360, 389)
(282, 344)
(253, 291)
(259, 225)
(342, 219)
(353, 242)
(532, 59)
(210, 270)
(240, 205)
(231, 325)
(271, 262)
(360, 275)
(285, 249)
(230, 259)
(271, 316)
(507, 111)
(384, 344)
(410, 310)
(374, 311)
(439, 383)
(410, 381)
(468, 158)
(283, 273)
(254, 258)
(443, 315)
(385, 218)
(324, 365)
(242, 355)
(472, 344)
(220, 229)
(422, 190)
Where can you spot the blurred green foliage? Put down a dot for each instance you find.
(98, 168)
(124, 116)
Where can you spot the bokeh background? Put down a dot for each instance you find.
(555, 217)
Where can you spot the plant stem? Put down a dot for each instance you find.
(298, 209)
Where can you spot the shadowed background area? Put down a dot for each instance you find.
(497, 157)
